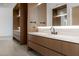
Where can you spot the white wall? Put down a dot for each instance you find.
(6, 21)
(50, 6)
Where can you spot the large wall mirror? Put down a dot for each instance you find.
(66, 15)
(52, 14)
(59, 16)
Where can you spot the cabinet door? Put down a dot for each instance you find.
(47, 42)
(23, 22)
(43, 50)
(54, 44)
(70, 49)
(37, 39)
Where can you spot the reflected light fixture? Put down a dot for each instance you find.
(39, 3)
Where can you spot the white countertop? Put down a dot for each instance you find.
(74, 39)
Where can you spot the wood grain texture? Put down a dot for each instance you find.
(44, 45)
(42, 50)
(70, 49)
(15, 18)
(23, 22)
(39, 43)
(50, 43)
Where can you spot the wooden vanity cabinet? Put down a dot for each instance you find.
(47, 46)
(42, 50)
(23, 22)
(54, 47)
(47, 42)
(20, 15)
(70, 49)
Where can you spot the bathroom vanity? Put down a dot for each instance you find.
(53, 45)
(66, 42)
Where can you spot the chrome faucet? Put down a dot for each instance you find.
(54, 32)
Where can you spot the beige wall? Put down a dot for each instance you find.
(32, 16)
(42, 15)
(75, 16)
(36, 14)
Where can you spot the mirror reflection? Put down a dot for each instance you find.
(52, 14)
(75, 15)
(60, 16)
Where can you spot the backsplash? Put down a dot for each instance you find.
(62, 30)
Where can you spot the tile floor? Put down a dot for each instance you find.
(12, 48)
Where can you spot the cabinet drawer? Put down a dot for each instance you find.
(70, 49)
(50, 43)
(38, 39)
(43, 50)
